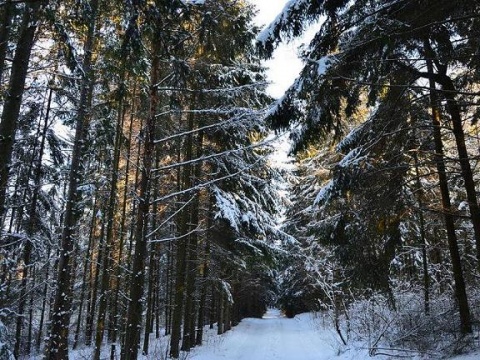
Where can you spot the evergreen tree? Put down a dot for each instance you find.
(13, 99)
(374, 48)
(61, 312)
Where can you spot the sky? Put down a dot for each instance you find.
(284, 67)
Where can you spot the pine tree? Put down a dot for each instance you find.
(59, 333)
(13, 100)
(362, 48)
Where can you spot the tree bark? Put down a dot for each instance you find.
(182, 305)
(86, 264)
(5, 28)
(221, 312)
(467, 174)
(179, 289)
(192, 244)
(44, 304)
(112, 202)
(95, 272)
(206, 274)
(13, 99)
(423, 241)
(114, 315)
(58, 347)
(31, 226)
(460, 290)
(135, 305)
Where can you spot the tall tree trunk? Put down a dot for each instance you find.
(135, 305)
(423, 240)
(201, 305)
(152, 267)
(169, 288)
(89, 276)
(157, 294)
(150, 297)
(206, 274)
(32, 223)
(179, 288)
(44, 304)
(131, 238)
(86, 272)
(5, 30)
(114, 317)
(93, 295)
(13, 99)
(112, 202)
(453, 108)
(188, 339)
(467, 174)
(58, 347)
(182, 267)
(460, 290)
(28, 348)
(212, 311)
(192, 248)
(221, 312)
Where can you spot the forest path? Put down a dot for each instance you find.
(274, 337)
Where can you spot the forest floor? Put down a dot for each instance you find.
(307, 336)
(275, 337)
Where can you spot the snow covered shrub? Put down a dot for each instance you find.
(5, 353)
(407, 330)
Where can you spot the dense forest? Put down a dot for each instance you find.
(140, 197)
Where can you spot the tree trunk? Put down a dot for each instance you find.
(58, 347)
(7, 16)
(467, 174)
(114, 316)
(221, 313)
(460, 291)
(152, 268)
(192, 245)
(169, 285)
(32, 223)
(423, 241)
(112, 202)
(30, 314)
(44, 304)
(182, 278)
(227, 316)
(135, 306)
(179, 290)
(150, 298)
(86, 264)
(206, 274)
(92, 301)
(13, 99)
(131, 239)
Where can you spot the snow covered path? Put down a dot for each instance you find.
(272, 338)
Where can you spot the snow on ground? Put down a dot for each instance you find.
(472, 356)
(275, 337)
